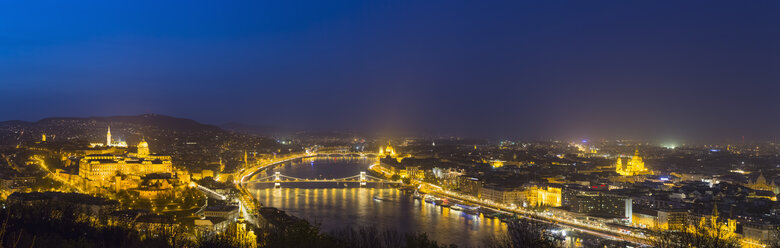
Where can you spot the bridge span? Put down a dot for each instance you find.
(277, 179)
(250, 206)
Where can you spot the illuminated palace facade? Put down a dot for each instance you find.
(105, 166)
(635, 166)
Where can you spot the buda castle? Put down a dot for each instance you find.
(105, 166)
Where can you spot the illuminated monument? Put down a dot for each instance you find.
(634, 167)
(105, 166)
(143, 149)
(111, 142)
(389, 150)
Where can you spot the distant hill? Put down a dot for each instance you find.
(159, 121)
(191, 144)
(128, 128)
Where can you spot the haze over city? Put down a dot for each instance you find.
(689, 71)
(390, 124)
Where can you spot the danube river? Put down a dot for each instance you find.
(337, 206)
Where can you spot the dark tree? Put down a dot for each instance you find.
(698, 236)
(522, 233)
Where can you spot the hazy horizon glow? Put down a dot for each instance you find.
(678, 71)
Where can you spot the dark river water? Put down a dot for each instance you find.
(336, 206)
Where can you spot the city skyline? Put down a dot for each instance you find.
(384, 124)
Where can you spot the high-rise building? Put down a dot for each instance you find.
(598, 203)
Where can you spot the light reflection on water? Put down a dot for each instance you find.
(340, 207)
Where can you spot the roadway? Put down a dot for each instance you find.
(249, 203)
(551, 219)
(563, 221)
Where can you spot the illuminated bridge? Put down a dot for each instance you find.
(277, 179)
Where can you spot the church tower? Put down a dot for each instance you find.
(108, 136)
(246, 159)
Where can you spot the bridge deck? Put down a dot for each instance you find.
(322, 181)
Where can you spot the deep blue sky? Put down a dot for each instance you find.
(661, 69)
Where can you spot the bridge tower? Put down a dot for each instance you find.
(362, 178)
(277, 180)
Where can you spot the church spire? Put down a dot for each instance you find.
(108, 136)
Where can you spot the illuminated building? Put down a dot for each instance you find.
(43, 138)
(469, 185)
(246, 162)
(219, 210)
(757, 233)
(496, 163)
(413, 172)
(156, 186)
(111, 142)
(635, 166)
(715, 224)
(104, 166)
(245, 236)
(599, 203)
(672, 219)
(760, 183)
(143, 149)
(543, 196)
(389, 150)
(661, 219)
(209, 225)
(499, 194)
(647, 219)
(447, 178)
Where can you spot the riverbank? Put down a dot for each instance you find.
(547, 217)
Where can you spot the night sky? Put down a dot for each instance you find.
(682, 70)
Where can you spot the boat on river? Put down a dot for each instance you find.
(444, 202)
(378, 198)
(416, 195)
(469, 209)
(488, 213)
